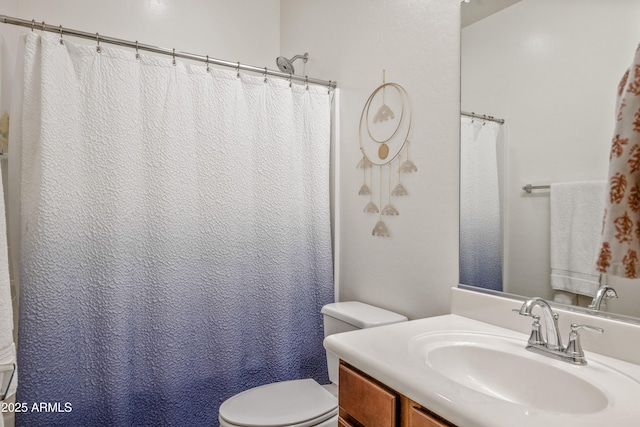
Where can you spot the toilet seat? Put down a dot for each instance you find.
(298, 403)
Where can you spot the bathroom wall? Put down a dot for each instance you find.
(241, 30)
(548, 67)
(417, 43)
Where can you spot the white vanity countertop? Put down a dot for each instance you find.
(383, 353)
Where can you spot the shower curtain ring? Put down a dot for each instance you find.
(33, 23)
(329, 87)
(208, 70)
(290, 76)
(98, 49)
(61, 41)
(44, 26)
(137, 53)
(306, 82)
(265, 74)
(174, 56)
(238, 70)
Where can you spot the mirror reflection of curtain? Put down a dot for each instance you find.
(480, 219)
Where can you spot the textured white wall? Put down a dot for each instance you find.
(551, 69)
(241, 30)
(417, 43)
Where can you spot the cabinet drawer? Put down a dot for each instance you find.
(417, 418)
(344, 423)
(366, 401)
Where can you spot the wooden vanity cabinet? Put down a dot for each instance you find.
(366, 402)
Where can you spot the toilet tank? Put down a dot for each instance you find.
(349, 316)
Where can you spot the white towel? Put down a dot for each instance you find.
(576, 222)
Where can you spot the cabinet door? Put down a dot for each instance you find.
(365, 400)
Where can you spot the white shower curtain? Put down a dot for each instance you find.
(480, 219)
(175, 235)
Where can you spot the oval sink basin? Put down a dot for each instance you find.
(500, 367)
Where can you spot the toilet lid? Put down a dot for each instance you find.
(280, 404)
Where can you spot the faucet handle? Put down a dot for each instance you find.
(536, 337)
(575, 328)
(574, 348)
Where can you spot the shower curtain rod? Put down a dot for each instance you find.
(482, 116)
(161, 50)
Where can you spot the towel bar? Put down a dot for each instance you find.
(529, 188)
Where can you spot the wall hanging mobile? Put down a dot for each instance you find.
(385, 124)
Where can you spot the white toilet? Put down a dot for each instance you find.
(304, 403)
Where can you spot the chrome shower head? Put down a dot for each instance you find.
(286, 65)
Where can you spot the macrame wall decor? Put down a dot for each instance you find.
(385, 124)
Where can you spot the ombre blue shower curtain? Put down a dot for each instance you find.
(480, 212)
(175, 235)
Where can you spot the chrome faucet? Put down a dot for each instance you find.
(551, 344)
(604, 292)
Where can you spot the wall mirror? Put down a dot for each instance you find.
(550, 69)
